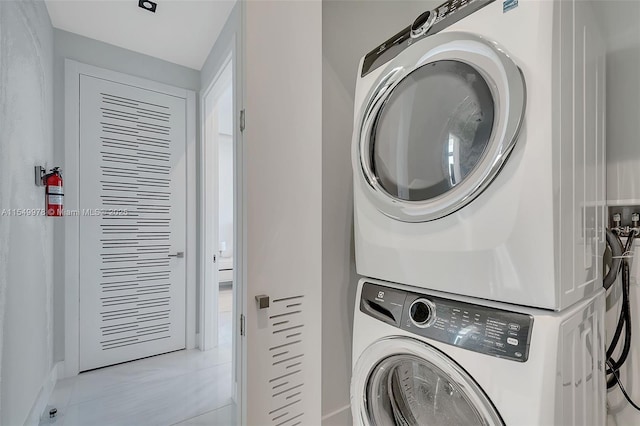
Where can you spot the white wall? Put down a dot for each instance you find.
(350, 29)
(228, 39)
(218, 55)
(225, 170)
(27, 244)
(93, 52)
(225, 192)
(220, 50)
(225, 113)
(621, 20)
(621, 26)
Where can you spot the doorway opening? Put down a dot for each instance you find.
(219, 290)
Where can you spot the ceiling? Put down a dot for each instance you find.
(181, 31)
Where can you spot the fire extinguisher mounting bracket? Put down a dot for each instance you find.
(40, 173)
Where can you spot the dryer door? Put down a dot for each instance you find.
(438, 126)
(403, 382)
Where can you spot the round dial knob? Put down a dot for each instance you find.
(422, 312)
(422, 23)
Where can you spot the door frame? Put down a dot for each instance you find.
(229, 54)
(209, 203)
(73, 70)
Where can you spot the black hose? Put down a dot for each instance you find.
(617, 250)
(626, 317)
(623, 321)
(616, 379)
(616, 336)
(616, 256)
(627, 247)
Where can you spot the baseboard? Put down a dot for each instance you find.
(339, 417)
(62, 373)
(40, 404)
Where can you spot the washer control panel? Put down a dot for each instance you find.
(491, 331)
(428, 23)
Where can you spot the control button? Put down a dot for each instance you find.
(422, 23)
(518, 354)
(512, 341)
(422, 312)
(514, 327)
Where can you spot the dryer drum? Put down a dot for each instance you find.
(432, 131)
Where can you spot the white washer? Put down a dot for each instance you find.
(422, 358)
(478, 153)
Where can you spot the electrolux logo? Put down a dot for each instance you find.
(508, 5)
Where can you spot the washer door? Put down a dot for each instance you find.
(403, 382)
(438, 126)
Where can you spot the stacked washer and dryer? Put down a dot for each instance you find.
(479, 179)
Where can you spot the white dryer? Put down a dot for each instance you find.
(478, 153)
(423, 358)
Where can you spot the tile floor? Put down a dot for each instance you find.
(179, 388)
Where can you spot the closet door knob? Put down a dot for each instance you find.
(263, 301)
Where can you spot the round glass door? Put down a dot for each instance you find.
(405, 390)
(439, 126)
(408, 383)
(432, 131)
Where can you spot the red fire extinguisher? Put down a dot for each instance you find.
(54, 192)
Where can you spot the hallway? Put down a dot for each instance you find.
(185, 387)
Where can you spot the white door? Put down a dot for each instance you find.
(132, 222)
(282, 145)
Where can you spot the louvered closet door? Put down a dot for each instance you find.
(282, 152)
(132, 219)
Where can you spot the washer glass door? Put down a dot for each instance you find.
(404, 382)
(405, 390)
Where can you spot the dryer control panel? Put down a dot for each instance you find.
(491, 331)
(428, 23)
